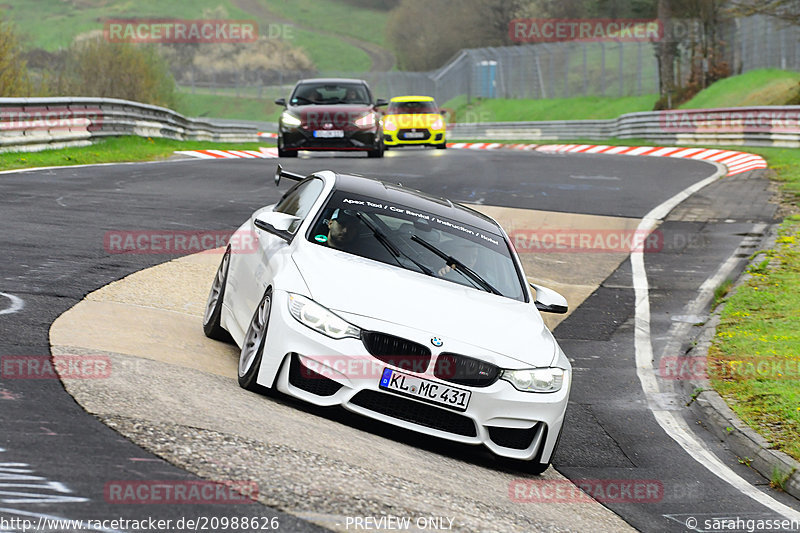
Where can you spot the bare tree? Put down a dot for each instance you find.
(788, 10)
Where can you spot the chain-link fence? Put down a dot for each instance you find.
(541, 71)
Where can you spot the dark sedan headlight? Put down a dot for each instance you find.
(311, 314)
(367, 120)
(535, 379)
(288, 119)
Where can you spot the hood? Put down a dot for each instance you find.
(359, 287)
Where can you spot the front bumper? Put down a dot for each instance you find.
(399, 137)
(510, 423)
(303, 139)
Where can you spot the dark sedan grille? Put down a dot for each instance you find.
(310, 381)
(465, 370)
(415, 412)
(402, 353)
(517, 439)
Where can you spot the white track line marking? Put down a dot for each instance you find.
(16, 304)
(674, 426)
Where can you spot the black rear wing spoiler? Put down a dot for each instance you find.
(280, 173)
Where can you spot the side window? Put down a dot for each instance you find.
(298, 201)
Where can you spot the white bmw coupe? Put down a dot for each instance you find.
(396, 305)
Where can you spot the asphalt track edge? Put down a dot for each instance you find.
(674, 426)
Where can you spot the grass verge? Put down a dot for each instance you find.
(113, 150)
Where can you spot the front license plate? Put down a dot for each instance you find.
(425, 390)
(328, 134)
(415, 135)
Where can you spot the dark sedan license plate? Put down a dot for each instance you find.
(329, 134)
(425, 390)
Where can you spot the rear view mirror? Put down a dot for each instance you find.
(549, 301)
(275, 223)
(280, 101)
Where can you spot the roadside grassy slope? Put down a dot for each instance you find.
(54, 24)
(584, 107)
(253, 107)
(757, 87)
(334, 17)
(113, 150)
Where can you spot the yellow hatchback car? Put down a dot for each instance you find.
(413, 120)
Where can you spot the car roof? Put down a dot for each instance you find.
(412, 99)
(331, 80)
(414, 199)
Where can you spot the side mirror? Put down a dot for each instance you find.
(381, 102)
(275, 223)
(444, 112)
(280, 101)
(549, 301)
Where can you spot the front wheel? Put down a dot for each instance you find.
(253, 345)
(211, 319)
(377, 152)
(442, 146)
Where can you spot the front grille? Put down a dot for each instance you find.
(402, 353)
(417, 134)
(517, 439)
(310, 381)
(465, 370)
(415, 412)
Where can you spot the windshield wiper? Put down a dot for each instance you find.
(457, 265)
(389, 245)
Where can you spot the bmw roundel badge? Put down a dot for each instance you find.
(436, 341)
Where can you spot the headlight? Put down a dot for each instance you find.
(316, 317)
(438, 124)
(389, 125)
(366, 121)
(535, 379)
(287, 119)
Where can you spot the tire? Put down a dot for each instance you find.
(442, 146)
(535, 467)
(377, 152)
(253, 344)
(285, 153)
(211, 318)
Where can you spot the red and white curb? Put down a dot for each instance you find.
(735, 162)
(262, 153)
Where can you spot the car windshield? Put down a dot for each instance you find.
(412, 108)
(330, 93)
(417, 240)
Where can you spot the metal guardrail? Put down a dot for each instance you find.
(751, 126)
(32, 124)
